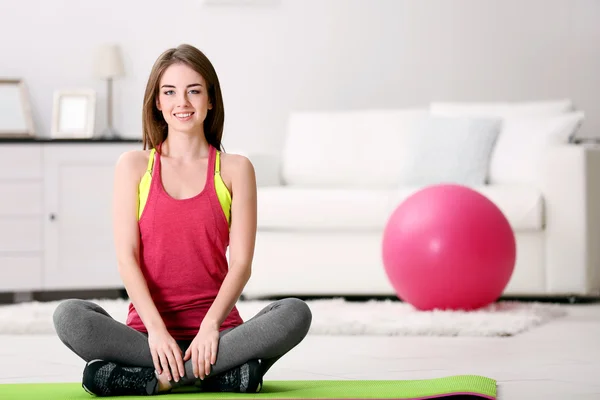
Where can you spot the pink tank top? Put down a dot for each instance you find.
(182, 255)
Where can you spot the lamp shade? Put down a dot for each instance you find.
(108, 62)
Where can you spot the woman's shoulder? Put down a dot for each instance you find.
(133, 162)
(236, 164)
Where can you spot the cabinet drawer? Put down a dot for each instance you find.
(20, 161)
(18, 198)
(20, 234)
(20, 272)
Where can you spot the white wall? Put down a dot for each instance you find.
(313, 54)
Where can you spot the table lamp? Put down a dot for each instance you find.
(109, 65)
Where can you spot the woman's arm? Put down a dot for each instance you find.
(127, 237)
(241, 239)
(166, 354)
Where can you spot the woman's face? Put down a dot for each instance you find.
(183, 99)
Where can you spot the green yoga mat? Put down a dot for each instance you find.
(461, 386)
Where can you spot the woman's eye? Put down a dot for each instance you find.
(194, 91)
(168, 92)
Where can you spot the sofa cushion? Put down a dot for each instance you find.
(523, 142)
(290, 208)
(321, 209)
(449, 150)
(346, 149)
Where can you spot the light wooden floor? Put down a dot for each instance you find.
(560, 360)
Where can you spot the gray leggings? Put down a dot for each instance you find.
(91, 333)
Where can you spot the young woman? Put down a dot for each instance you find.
(178, 205)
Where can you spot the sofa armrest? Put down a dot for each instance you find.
(267, 168)
(570, 181)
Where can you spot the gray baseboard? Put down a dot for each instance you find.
(19, 297)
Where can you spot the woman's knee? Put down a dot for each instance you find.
(299, 313)
(68, 318)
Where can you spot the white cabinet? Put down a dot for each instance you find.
(56, 215)
(21, 183)
(78, 238)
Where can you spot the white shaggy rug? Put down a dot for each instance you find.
(338, 317)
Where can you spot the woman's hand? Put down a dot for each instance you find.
(203, 350)
(166, 354)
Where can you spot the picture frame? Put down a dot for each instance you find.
(16, 118)
(74, 114)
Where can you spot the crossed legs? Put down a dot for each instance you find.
(91, 333)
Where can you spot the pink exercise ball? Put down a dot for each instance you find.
(448, 247)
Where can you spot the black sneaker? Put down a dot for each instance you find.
(247, 378)
(104, 378)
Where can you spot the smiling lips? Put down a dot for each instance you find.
(184, 116)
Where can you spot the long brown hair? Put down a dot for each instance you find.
(154, 126)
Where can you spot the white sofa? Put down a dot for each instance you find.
(324, 200)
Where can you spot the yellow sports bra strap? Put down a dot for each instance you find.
(151, 161)
(218, 163)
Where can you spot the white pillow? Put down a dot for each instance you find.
(346, 149)
(449, 150)
(320, 148)
(521, 145)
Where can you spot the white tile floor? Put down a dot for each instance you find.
(560, 360)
